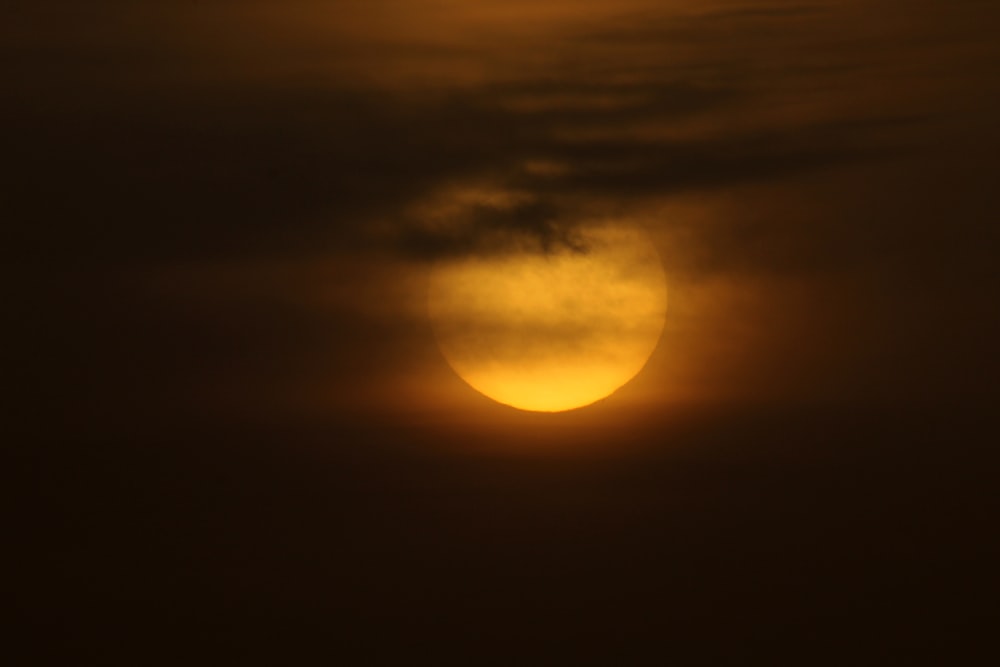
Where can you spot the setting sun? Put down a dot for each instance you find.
(552, 331)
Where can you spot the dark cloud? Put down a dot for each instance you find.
(551, 102)
(214, 174)
(652, 27)
(178, 170)
(533, 226)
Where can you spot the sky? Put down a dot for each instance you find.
(234, 437)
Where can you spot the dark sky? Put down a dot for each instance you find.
(233, 439)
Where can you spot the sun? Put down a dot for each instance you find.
(552, 331)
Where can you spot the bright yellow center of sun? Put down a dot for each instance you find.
(552, 331)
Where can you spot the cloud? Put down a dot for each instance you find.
(534, 226)
(175, 170)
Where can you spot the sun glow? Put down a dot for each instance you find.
(552, 331)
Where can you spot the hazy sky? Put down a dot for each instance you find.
(219, 216)
(267, 180)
